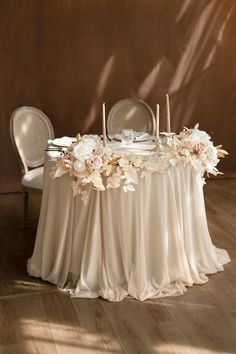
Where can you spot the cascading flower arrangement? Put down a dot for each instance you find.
(93, 165)
(195, 146)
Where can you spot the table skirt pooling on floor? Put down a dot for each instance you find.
(149, 243)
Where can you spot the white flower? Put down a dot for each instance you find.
(199, 136)
(82, 151)
(79, 165)
(122, 162)
(90, 140)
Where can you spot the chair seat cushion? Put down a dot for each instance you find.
(33, 179)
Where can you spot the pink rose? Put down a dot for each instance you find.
(99, 150)
(200, 147)
(94, 162)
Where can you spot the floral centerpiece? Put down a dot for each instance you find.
(195, 146)
(93, 165)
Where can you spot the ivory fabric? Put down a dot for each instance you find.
(33, 178)
(150, 243)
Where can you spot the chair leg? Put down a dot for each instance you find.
(26, 200)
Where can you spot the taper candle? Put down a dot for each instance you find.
(157, 121)
(168, 113)
(104, 124)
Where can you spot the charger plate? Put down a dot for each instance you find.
(131, 113)
(65, 141)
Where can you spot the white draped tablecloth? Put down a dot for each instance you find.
(150, 243)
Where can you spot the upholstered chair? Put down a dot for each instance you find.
(30, 130)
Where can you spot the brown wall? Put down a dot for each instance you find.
(68, 56)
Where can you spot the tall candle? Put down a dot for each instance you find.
(168, 113)
(104, 124)
(157, 121)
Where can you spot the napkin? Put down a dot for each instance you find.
(141, 135)
(64, 141)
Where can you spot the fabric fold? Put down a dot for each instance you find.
(150, 243)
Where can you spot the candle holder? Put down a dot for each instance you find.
(165, 137)
(159, 146)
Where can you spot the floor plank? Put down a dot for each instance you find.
(99, 329)
(34, 329)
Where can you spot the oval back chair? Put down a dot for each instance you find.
(30, 130)
(131, 113)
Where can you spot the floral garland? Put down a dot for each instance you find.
(92, 164)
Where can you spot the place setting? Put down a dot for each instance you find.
(136, 141)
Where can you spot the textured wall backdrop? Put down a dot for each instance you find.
(68, 56)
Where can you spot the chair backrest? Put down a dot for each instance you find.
(30, 130)
(131, 113)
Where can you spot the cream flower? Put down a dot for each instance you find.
(82, 151)
(114, 181)
(122, 162)
(79, 165)
(95, 179)
(188, 144)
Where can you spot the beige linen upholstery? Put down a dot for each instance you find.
(130, 113)
(30, 130)
(33, 178)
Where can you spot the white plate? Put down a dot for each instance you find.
(65, 141)
(138, 136)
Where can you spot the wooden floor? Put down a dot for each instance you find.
(36, 318)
